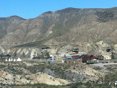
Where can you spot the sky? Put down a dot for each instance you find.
(33, 8)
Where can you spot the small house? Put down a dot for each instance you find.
(72, 59)
(3, 57)
(89, 58)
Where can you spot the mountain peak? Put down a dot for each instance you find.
(16, 17)
(67, 10)
(48, 12)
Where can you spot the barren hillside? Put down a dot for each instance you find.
(71, 26)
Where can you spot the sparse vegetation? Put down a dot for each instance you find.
(105, 16)
(58, 71)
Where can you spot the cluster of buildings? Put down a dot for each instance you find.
(13, 60)
(82, 57)
(75, 57)
(9, 58)
(70, 57)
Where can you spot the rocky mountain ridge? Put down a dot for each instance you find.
(70, 26)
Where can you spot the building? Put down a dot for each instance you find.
(72, 59)
(4, 56)
(89, 59)
(52, 59)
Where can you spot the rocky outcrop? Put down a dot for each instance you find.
(21, 73)
(7, 78)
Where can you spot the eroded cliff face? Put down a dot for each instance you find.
(99, 48)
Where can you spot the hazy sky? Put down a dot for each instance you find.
(33, 8)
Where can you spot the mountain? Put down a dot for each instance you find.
(69, 26)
